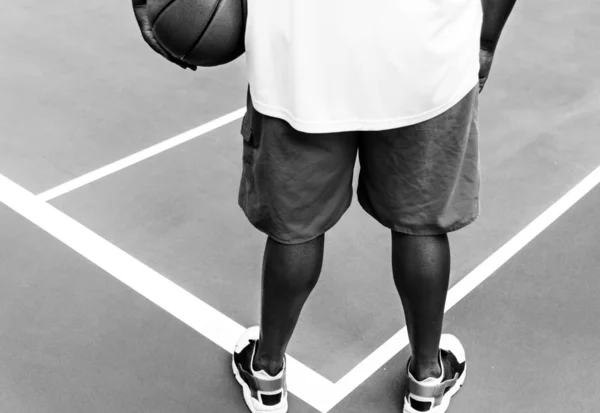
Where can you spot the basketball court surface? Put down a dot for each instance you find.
(127, 270)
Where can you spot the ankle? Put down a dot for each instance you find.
(271, 366)
(424, 370)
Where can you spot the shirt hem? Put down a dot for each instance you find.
(357, 124)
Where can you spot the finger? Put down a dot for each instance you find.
(182, 63)
(482, 83)
(164, 53)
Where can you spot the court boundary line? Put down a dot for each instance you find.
(304, 382)
(139, 156)
(377, 359)
(324, 395)
(324, 400)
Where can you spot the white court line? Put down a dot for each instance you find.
(140, 156)
(223, 331)
(398, 341)
(324, 395)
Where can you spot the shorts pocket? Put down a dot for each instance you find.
(249, 122)
(251, 127)
(246, 129)
(249, 138)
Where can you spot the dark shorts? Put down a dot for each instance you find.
(421, 179)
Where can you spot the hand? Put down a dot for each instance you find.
(140, 9)
(485, 64)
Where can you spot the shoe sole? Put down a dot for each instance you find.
(250, 334)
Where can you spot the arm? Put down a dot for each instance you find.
(495, 14)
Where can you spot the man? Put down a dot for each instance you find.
(395, 82)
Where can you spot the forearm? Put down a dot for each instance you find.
(495, 15)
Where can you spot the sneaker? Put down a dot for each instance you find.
(262, 392)
(433, 395)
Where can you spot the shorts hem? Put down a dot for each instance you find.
(295, 241)
(426, 232)
(423, 232)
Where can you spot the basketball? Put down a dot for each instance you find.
(200, 32)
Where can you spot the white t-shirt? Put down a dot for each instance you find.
(341, 65)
